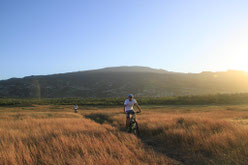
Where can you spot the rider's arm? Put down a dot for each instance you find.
(137, 105)
(124, 108)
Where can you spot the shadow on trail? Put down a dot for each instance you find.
(100, 118)
(147, 138)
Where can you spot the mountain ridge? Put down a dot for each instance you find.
(118, 81)
(129, 69)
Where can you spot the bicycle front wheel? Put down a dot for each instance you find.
(136, 129)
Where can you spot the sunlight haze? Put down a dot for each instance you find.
(47, 37)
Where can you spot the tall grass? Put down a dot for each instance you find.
(208, 135)
(169, 135)
(199, 140)
(56, 139)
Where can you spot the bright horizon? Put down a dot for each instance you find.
(44, 37)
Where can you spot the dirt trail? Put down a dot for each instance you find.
(102, 118)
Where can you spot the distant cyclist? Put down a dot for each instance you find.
(75, 108)
(128, 107)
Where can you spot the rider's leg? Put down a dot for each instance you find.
(127, 122)
(128, 119)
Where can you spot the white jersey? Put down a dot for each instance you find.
(129, 104)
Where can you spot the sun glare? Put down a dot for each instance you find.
(231, 53)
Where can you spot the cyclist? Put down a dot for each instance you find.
(75, 108)
(128, 107)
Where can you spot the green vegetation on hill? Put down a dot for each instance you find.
(241, 98)
(119, 81)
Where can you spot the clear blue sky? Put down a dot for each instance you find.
(55, 36)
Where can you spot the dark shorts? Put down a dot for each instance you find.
(130, 112)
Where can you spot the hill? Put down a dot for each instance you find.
(118, 81)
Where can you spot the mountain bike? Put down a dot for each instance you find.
(133, 125)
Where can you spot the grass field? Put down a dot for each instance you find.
(53, 134)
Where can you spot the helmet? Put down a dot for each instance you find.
(131, 95)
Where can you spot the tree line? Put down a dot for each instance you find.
(238, 98)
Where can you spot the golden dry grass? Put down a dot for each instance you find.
(46, 135)
(193, 134)
(169, 135)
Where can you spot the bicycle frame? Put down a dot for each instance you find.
(133, 119)
(133, 125)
